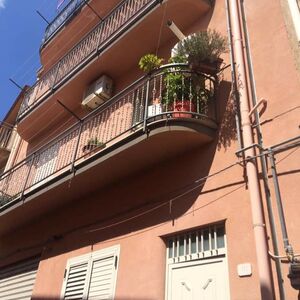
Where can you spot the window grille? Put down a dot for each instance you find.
(209, 241)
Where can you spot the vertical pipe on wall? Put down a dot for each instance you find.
(286, 242)
(234, 80)
(264, 269)
(262, 157)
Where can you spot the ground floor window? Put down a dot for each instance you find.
(197, 265)
(91, 276)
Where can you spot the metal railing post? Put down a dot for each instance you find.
(76, 148)
(146, 104)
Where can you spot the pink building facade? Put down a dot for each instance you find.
(118, 195)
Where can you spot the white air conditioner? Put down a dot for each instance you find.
(98, 92)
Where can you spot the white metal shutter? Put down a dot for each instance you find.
(76, 280)
(102, 279)
(17, 281)
(91, 276)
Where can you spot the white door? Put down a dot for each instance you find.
(198, 280)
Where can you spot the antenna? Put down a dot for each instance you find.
(42, 17)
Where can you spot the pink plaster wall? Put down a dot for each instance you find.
(141, 273)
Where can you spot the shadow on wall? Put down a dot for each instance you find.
(145, 200)
(227, 128)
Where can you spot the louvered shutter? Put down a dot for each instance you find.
(17, 281)
(92, 276)
(102, 279)
(76, 281)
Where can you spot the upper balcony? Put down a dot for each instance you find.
(75, 20)
(68, 12)
(121, 29)
(144, 124)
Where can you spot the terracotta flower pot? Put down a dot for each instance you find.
(183, 106)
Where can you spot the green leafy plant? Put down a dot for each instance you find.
(93, 143)
(182, 85)
(204, 46)
(150, 62)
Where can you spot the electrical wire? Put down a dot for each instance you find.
(39, 245)
(161, 27)
(25, 76)
(43, 244)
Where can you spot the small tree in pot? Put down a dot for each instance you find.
(203, 50)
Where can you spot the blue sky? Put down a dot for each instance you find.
(21, 32)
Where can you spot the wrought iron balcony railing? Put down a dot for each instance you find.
(60, 20)
(118, 21)
(171, 92)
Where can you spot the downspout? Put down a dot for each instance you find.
(234, 81)
(262, 157)
(261, 244)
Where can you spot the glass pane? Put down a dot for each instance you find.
(181, 246)
(193, 243)
(205, 240)
(212, 232)
(175, 248)
(170, 246)
(220, 237)
(200, 242)
(187, 247)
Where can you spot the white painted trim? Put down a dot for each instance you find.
(295, 15)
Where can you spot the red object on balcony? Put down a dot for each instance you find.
(183, 106)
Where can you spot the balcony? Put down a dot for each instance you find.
(70, 76)
(84, 51)
(6, 140)
(144, 124)
(61, 19)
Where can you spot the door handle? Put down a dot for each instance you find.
(185, 285)
(207, 283)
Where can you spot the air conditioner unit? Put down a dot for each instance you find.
(98, 92)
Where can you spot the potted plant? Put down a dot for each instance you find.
(93, 143)
(185, 91)
(150, 62)
(178, 94)
(203, 50)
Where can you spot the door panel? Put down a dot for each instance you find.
(198, 280)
